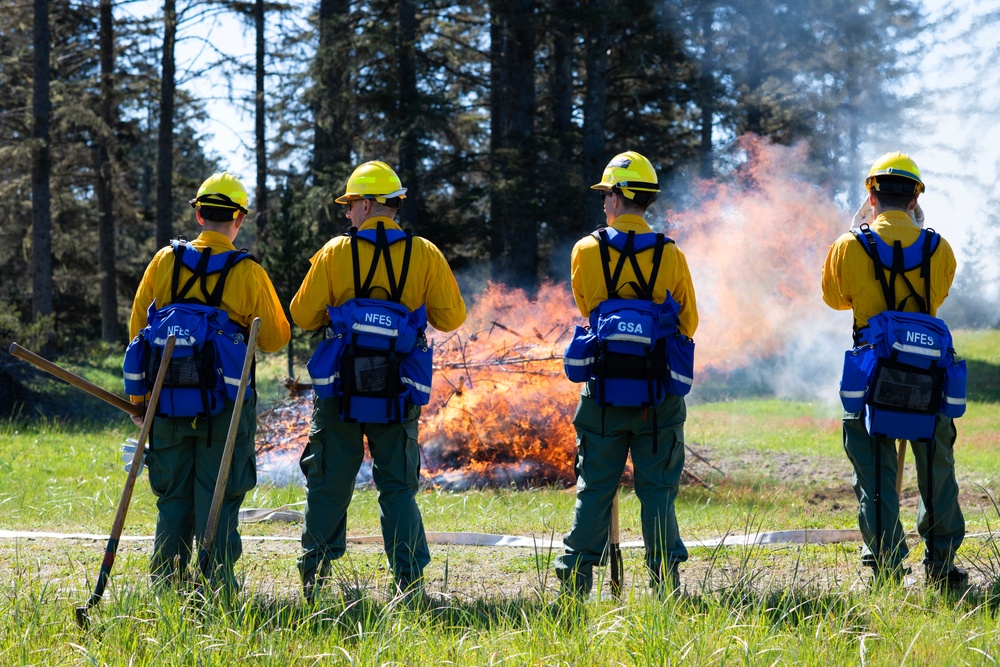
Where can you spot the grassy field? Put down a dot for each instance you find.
(771, 465)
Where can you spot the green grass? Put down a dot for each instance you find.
(790, 604)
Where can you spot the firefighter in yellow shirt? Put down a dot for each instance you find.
(647, 267)
(375, 263)
(851, 282)
(185, 450)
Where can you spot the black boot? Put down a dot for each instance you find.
(313, 580)
(951, 580)
(664, 586)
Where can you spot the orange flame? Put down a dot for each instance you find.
(500, 397)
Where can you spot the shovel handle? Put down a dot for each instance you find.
(615, 551)
(111, 550)
(212, 524)
(133, 409)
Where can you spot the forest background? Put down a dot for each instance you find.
(497, 115)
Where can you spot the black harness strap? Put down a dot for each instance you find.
(888, 286)
(215, 298)
(363, 289)
(611, 281)
(925, 267)
(642, 287)
(898, 270)
(199, 272)
(356, 263)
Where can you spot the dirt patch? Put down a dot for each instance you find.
(756, 465)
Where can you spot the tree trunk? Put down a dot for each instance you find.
(563, 201)
(513, 242)
(105, 196)
(332, 148)
(408, 139)
(165, 143)
(260, 132)
(595, 101)
(707, 92)
(41, 166)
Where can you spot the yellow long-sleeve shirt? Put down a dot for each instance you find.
(248, 292)
(589, 288)
(849, 281)
(330, 280)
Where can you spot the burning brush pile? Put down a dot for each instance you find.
(501, 410)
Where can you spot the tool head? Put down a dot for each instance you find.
(82, 619)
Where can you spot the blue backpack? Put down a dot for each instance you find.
(903, 371)
(209, 352)
(375, 356)
(632, 351)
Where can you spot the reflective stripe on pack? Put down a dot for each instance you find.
(578, 362)
(954, 400)
(681, 378)
(184, 342)
(422, 388)
(631, 338)
(323, 382)
(378, 331)
(915, 349)
(853, 394)
(136, 377)
(235, 382)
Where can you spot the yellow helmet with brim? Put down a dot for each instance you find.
(373, 180)
(894, 173)
(631, 173)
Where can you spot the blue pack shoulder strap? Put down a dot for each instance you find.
(382, 238)
(628, 244)
(917, 255)
(912, 254)
(202, 263)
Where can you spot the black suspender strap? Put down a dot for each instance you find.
(356, 263)
(179, 293)
(382, 248)
(382, 245)
(405, 269)
(888, 288)
(215, 298)
(609, 283)
(898, 270)
(643, 288)
(200, 271)
(657, 256)
(364, 289)
(176, 277)
(925, 267)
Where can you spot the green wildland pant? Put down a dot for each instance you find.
(939, 517)
(331, 461)
(605, 437)
(183, 468)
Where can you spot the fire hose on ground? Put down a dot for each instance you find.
(544, 542)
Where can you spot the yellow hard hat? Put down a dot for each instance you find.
(630, 172)
(222, 190)
(373, 180)
(894, 164)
